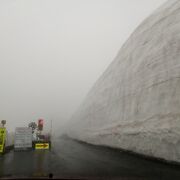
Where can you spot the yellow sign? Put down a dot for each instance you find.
(2, 139)
(42, 146)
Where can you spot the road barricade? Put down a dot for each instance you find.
(41, 145)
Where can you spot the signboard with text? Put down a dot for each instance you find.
(42, 146)
(2, 139)
(23, 138)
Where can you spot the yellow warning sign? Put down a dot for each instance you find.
(2, 139)
(42, 146)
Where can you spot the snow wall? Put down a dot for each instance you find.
(135, 104)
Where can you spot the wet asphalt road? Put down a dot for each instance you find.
(72, 159)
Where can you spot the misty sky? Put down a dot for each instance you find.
(53, 51)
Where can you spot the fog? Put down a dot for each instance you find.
(52, 52)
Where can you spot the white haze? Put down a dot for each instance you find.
(52, 52)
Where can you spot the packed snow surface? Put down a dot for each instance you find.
(135, 104)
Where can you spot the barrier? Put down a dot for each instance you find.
(41, 145)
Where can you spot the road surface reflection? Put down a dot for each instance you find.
(72, 159)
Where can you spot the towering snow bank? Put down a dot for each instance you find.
(135, 104)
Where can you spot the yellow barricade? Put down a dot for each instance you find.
(42, 146)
